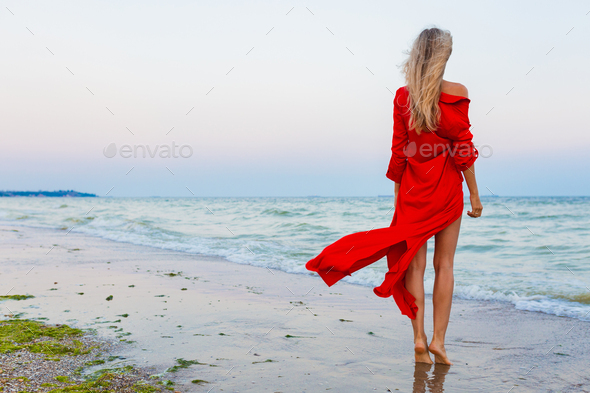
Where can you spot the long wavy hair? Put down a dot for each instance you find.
(424, 69)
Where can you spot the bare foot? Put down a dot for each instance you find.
(421, 352)
(440, 354)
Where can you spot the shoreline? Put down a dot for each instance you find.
(559, 307)
(268, 330)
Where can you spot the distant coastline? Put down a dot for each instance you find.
(45, 194)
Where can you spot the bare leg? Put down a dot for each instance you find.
(445, 243)
(415, 285)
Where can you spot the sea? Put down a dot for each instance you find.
(532, 252)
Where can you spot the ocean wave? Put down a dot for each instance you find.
(277, 212)
(566, 306)
(582, 298)
(78, 220)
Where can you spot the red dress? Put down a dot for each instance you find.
(430, 197)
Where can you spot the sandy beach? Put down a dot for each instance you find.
(262, 330)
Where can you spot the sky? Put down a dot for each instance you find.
(279, 98)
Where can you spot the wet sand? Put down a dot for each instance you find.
(263, 330)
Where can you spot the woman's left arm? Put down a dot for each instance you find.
(397, 163)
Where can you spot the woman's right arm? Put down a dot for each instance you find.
(464, 153)
(476, 206)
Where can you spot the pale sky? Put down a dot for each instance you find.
(300, 102)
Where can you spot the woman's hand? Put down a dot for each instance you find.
(476, 206)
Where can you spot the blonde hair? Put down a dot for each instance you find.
(424, 69)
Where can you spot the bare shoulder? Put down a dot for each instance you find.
(455, 89)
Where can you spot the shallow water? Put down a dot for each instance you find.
(531, 252)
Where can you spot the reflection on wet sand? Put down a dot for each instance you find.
(429, 383)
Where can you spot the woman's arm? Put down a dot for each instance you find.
(396, 191)
(397, 163)
(476, 206)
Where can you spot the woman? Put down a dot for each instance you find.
(432, 152)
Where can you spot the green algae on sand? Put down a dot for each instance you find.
(16, 297)
(17, 334)
(184, 364)
(20, 336)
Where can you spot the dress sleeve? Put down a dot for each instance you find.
(397, 163)
(463, 151)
